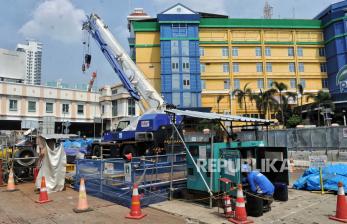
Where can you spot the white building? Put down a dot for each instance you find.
(22, 103)
(33, 51)
(116, 104)
(12, 66)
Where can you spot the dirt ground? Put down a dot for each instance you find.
(20, 207)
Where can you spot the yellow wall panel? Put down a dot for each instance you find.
(242, 35)
(147, 38)
(278, 36)
(151, 70)
(213, 35)
(309, 36)
(148, 55)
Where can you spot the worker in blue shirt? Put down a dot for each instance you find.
(259, 183)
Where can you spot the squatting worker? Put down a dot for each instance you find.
(258, 183)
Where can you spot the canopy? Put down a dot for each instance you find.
(215, 116)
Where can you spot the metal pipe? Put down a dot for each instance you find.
(194, 163)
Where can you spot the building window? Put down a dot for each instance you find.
(260, 83)
(227, 84)
(174, 48)
(300, 52)
(235, 51)
(49, 107)
(31, 106)
(323, 67)
(322, 51)
(259, 67)
(80, 109)
(226, 67)
(269, 67)
(174, 65)
(185, 65)
(202, 67)
(114, 108)
(187, 99)
(301, 67)
(13, 105)
(291, 67)
(225, 52)
(65, 108)
(176, 81)
(292, 83)
(268, 51)
(185, 47)
(290, 51)
(176, 99)
(303, 83)
(179, 30)
(186, 83)
(131, 107)
(325, 83)
(203, 84)
(114, 91)
(236, 84)
(236, 67)
(258, 51)
(202, 51)
(269, 83)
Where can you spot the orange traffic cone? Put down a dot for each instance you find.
(341, 206)
(82, 205)
(43, 197)
(10, 183)
(135, 210)
(240, 216)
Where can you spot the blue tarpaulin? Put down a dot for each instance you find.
(72, 147)
(332, 174)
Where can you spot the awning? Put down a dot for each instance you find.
(215, 116)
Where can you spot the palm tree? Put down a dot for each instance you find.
(322, 98)
(265, 101)
(242, 96)
(280, 86)
(219, 98)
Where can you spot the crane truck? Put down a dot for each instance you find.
(147, 133)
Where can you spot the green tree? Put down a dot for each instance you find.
(321, 99)
(301, 92)
(242, 96)
(265, 101)
(280, 87)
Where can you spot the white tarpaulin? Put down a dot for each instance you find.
(53, 165)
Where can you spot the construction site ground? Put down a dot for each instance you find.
(20, 207)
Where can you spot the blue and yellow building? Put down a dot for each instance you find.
(197, 59)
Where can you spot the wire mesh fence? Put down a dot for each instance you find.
(112, 179)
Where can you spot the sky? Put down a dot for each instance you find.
(57, 24)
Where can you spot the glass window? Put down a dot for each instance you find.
(65, 108)
(185, 65)
(186, 82)
(225, 51)
(269, 67)
(323, 67)
(174, 64)
(202, 67)
(114, 108)
(259, 67)
(260, 83)
(236, 67)
(187, 99)
(49, 107)
(292, 83)
(185, 47)
(291, 67)
(174, 48)
(131, 107)
(114, 91)
(203, 84)
(300, 52)
(202, 51)
(236, 84)
(226, 67)
(227, 84)
(179, 30)
(13, 105)
(257, 51)
(269, 83)
(322, 51)
(268, 51)
(290, 51)
(325, 83)
(80, 109)
(303, 83)
(31, 106)
(235, 51)
(301, 67)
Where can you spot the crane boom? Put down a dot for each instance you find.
(132, 78)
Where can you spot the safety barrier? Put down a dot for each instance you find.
(112, 179)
